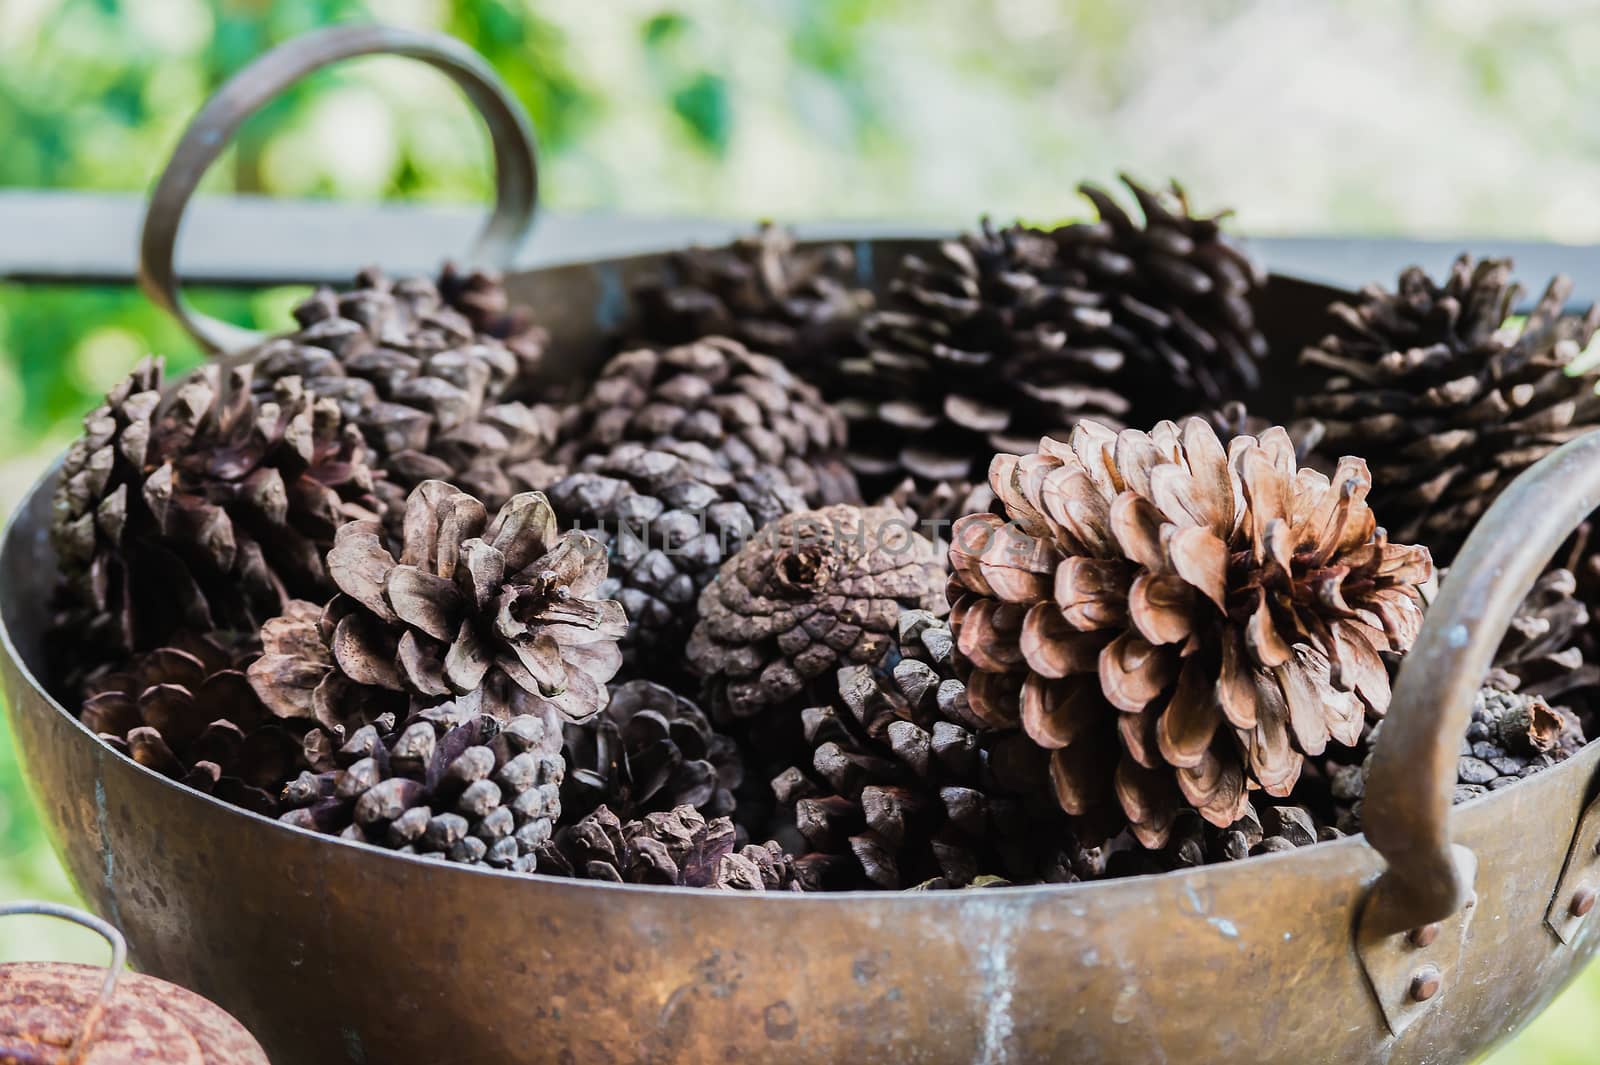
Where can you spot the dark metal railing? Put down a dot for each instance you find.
(72, 237)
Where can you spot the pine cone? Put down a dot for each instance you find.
(425, 380)
(481, 296)
(902, 782)
(453, 783)
(1261, 829)
(1178, 294)
(507, 608)
(1177, 624)
(1445, 399)
(203, 510)
(668, 518)
(1233, 419)
(749, 410)
(187, 711)
(677, 847)
(1511, 735)
(814, 591)
(985, 347)
(932, 510)
(650, 750)
(798, 304)
(1542, 652)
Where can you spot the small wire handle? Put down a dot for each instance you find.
(515, 154)
(119, 957)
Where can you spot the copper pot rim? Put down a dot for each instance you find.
(18, 525)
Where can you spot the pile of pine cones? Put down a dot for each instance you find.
(993, 575)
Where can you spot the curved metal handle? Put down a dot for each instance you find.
(1408, 796)
(516, 164)
(119, 957)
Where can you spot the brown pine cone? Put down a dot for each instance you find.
(669, 518)
(798, 304)
(1445, 399)
(424, 373)
(1175, 623)
(677, 847)
(1263, 828)
(812, 592)
(187, 711)
(481, 295)
(761, 867)
(487, 457)
(650, 750)
(983, 347)
(507, 609)
(452, 783)
(903, 785)
(748, 409)
(202, 510)
(1511, 735)
(934, 509)
(1233, 419)
(1542, 652)
(1178, 292)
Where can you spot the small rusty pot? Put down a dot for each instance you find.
(58, 1014)
(1433, 938)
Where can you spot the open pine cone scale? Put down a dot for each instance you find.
(476, 596)
(1216, 615)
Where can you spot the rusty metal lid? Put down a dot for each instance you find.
(53, 1013)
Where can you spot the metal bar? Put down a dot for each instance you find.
(76, 237)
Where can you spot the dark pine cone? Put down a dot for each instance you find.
(985, 346)
(649, 751)
(669, 519)
(1542, 652)
(481, 296)
(1233, 419)
(202, 510)
(1263, 828)
(187, 711)
(799, 304)
(422, 378)
(508, 610)
(1446, 400)
(1178, 292)
(1511, 735)
(813, 592)
(1178, 624)
(452, 783)
(905, 786)
(751, 412)
(677, 847)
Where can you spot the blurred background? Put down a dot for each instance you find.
(1448, 118)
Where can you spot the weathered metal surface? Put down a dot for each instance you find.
(1410, 970)
(336, 953)
(1573, 904)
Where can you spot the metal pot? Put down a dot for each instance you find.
(1437, 935)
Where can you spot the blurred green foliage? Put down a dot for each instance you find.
(743, 107)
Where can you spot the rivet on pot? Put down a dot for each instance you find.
(1582, 902)
(1424, 935)
(1425, 983)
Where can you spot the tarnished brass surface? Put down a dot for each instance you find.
(336, 953)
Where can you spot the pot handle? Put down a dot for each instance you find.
(108, 932)
(1409, 789)
(516, 165)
